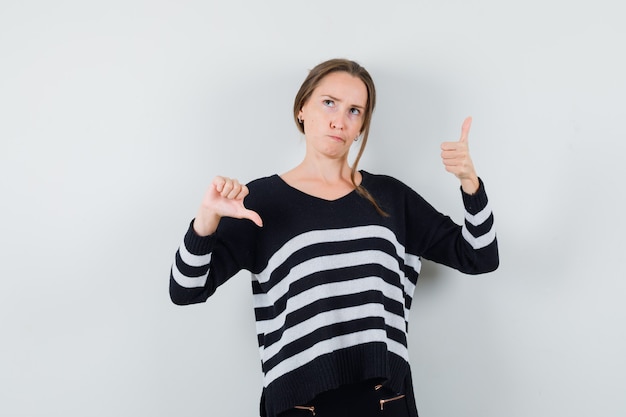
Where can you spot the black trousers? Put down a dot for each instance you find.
(368, 399)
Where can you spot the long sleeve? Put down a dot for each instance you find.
(202, 264)
(471, 248)
(190, 271)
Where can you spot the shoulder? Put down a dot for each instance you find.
(265, 185)
(265, 191)
(263, 182)
(393, 195)
(376, 183)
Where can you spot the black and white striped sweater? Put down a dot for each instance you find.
(332, 281)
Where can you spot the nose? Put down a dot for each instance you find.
(338, 122)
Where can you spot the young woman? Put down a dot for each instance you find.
(334, 254)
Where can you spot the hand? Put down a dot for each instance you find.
(457, 160)
(223, 198)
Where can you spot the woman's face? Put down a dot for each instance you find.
(333, 114)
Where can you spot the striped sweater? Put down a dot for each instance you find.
(332, 281)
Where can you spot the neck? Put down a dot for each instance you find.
(325, 180)
(330, 171)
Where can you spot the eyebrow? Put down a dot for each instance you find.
(336, 99)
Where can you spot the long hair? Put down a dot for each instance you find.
(316, 75)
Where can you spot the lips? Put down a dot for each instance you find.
(337, 138)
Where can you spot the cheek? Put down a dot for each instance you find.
(358, 123)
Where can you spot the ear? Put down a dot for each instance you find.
(300, 114)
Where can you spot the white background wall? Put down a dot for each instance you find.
(115, 115)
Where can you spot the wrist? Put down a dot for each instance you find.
(470, 185)
(205, 225)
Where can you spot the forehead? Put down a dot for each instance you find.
(343, 86)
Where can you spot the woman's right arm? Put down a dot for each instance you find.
(193, 277)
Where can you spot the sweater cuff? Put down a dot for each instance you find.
(474, 203)
(198, 245)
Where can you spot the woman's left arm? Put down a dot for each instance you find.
(471, 248)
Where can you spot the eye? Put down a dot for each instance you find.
(328, 103)
(355, 111)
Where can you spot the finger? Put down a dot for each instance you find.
(452, 162)
(254, 216)
(218, 183)
(239, 191)
(227, 187)
(454, 146)
(448, 146)
(243, 192)
(467, 123)
(449, 151)
(234, 191)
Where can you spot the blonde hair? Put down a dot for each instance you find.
(316, 75)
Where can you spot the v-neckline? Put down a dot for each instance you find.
(297, 190)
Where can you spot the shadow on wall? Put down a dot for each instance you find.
(432, 278)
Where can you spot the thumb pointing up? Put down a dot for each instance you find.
(456, 159)
(467, 123)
